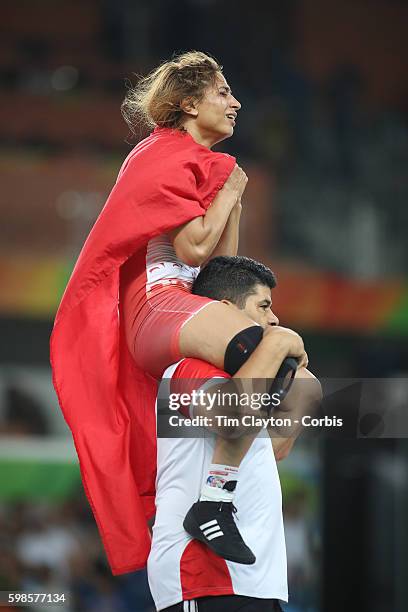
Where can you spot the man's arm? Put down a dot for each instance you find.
(254, 375)
(304, 397)
(282, 447)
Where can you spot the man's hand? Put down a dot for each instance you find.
(289, 340)
(303, 362)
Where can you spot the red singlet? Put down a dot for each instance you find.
(155, 304)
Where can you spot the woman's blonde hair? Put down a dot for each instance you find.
(157, 97)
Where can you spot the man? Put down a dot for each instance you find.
(184, 573)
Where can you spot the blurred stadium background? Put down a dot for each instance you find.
(322, 135)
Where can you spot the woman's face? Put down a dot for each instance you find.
(215, 115)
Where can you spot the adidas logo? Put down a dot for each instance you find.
(211, 530)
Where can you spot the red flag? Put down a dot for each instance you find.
(167, 180)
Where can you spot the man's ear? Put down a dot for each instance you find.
(227, 302)
(189, 106)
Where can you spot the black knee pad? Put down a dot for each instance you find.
(241, 347)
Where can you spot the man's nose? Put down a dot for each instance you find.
(272, 318)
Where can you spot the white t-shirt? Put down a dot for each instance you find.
(180, 568)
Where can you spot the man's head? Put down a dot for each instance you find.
(242, 283)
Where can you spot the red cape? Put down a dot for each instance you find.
(108, 403)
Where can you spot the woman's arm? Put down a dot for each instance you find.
(228, 243)
(195, 241)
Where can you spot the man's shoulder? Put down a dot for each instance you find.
(190, 375)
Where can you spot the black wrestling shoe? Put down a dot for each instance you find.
(213, 523)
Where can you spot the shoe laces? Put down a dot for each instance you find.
(227, 507)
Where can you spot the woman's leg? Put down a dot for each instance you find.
(207, 334)
(190, 326)
(174, 324)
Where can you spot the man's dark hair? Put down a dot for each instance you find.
(233, 279)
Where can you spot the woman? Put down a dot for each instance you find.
(175, 204)
(188, 98)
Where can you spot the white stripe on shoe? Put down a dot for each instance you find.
(209, 524)
(215, 535)
(211, 530)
